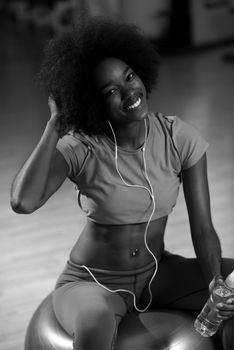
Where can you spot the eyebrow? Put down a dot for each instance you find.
(111, 81)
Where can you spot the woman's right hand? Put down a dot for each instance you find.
(56, 119)
(54, 112)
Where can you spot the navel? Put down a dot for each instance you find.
(135, 253)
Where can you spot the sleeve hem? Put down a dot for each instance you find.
(61, 150)
(190, 165)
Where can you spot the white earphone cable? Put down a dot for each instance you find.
(151, 193)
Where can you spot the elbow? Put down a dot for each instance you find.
(21, 207)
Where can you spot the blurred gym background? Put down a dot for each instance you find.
(195, 39)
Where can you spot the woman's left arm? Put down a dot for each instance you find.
(205, 239)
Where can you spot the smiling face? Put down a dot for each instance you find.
(123, 91)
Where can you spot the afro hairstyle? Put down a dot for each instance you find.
(70, 58)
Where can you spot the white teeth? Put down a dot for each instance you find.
(136, 104)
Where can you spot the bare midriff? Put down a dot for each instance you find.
(118, 247)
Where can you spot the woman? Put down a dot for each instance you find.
(127, 164)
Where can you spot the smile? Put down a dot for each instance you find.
(135, 105)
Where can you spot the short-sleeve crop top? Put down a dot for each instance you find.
(171, 147)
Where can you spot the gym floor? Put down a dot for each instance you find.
(196, 86)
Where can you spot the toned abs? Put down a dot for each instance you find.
(118, 247)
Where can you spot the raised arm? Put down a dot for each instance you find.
(43, 172)
(205, 239)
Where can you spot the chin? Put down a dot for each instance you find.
(138, 115)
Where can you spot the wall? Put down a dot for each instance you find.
(211, 21)
(150, 15)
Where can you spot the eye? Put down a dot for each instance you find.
(110, 92)
(130, 76)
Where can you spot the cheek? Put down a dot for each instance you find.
(113, 103)
(140, 84)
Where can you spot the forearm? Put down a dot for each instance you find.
(30, 182)
(208, 250)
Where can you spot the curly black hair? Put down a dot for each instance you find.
(69, 60)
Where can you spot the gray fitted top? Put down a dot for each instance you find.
(171, 146)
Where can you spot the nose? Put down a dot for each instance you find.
(130, 97)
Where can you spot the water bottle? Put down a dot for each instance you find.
(207, 322)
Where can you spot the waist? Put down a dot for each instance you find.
(106, 272)
(121, 233)
(118, 247)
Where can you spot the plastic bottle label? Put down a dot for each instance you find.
(222, 292)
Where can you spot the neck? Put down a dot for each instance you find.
(131, 136)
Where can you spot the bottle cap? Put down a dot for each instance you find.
(230, 280)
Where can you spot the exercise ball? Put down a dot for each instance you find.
(152, 330)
